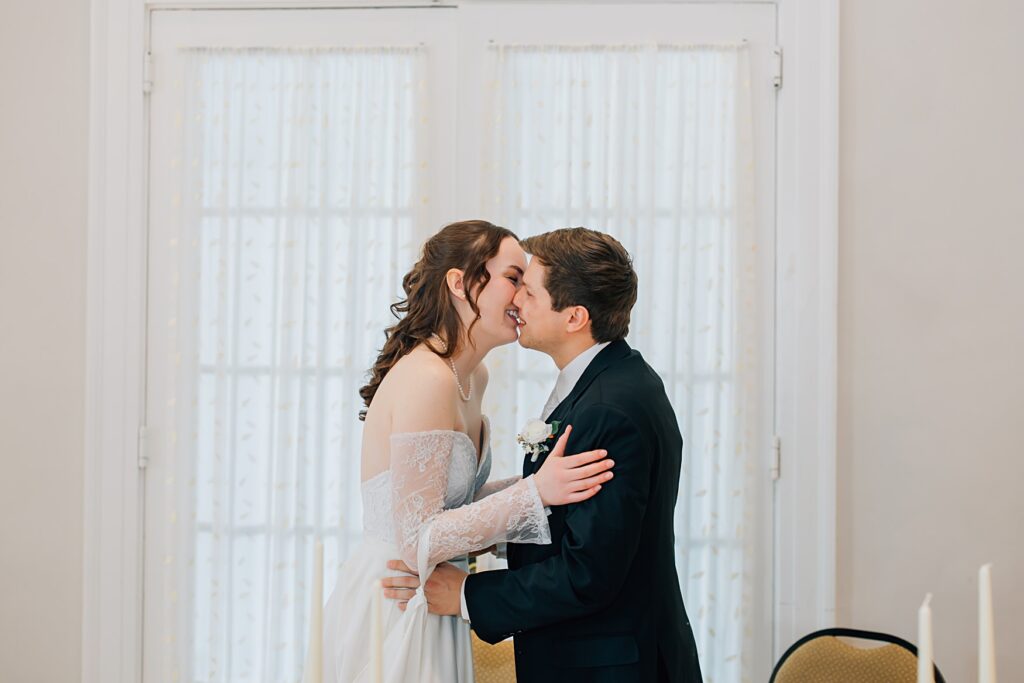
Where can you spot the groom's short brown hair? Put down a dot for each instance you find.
(590, 269)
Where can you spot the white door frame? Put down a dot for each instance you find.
(806, 304)
(806, 322)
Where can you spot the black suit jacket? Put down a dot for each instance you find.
(602, 602)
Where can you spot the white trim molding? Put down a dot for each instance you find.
(115, 349)
(806, 319)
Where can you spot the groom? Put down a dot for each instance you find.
(602, 601)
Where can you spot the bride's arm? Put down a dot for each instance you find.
(421, 450)
(420, 457)
(495, 486)
(429, 534)
(426, 533)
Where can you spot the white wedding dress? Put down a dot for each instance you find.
(430, 506)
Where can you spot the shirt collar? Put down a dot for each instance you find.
(572, 372)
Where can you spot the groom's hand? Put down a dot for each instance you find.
(444, 590)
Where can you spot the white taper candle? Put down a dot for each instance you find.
(378, 634)
(925, 666)
(313, 671)
(986, 628)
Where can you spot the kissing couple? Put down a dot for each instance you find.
(591, 593)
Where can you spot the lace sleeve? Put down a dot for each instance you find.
(495, 486)
(426, 533)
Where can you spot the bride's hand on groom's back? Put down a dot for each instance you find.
(568, 479)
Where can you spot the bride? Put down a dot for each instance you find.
(426, 460)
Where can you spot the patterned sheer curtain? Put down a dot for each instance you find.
(652, 144)
(300, 204)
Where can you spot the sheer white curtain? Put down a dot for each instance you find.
(652, 144)
(300, 205)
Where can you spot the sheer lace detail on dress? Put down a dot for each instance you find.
(495, 486)
(432, 479)
(376, 492)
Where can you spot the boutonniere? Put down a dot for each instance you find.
(535, 432)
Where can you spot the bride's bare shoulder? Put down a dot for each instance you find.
(421, 362)
(422, 372)
(422, 393)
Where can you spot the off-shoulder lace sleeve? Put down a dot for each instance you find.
(426, 533)
(495, 486)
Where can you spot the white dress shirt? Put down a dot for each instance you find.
(564, 385)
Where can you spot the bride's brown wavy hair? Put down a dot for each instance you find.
(426, 308)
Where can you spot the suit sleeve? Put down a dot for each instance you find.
(597, 550)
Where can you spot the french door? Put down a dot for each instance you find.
(299, 158)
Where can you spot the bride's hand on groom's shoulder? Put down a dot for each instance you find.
(566, 479)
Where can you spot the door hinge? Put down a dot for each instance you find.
(147, 73)
(145, 432)
(776, 466)
(777, 67)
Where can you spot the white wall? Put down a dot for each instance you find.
(44, 67)
(931, 324)
(931, 376)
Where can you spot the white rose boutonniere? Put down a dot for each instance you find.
(533, 435)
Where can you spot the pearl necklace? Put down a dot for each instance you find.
(463, 395)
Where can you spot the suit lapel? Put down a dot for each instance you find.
(615, 351)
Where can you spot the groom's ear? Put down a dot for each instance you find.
(456, 283)
(579, 318)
